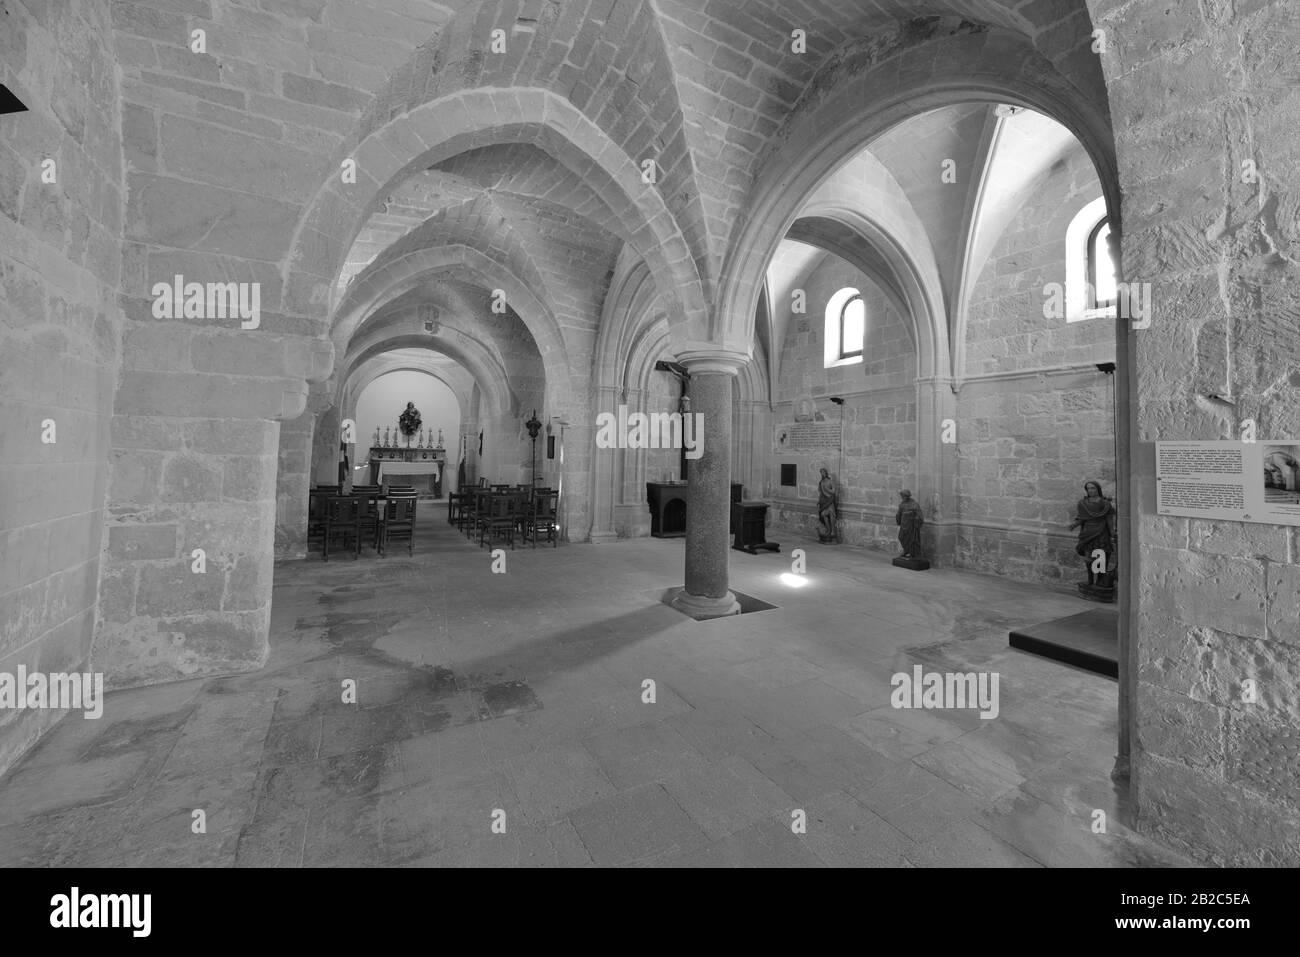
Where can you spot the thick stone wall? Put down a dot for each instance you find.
(60, 328)
(1199, 101)
(879, 415)
(1035, 419)
(1027, 445)
(221, 149)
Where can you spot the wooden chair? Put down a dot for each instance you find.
(465, 509)
(465, 512)
(399, 521)
(499, 520)
(369, 512)
(541, 518)
(470, 511)
(316, 503)
(343, 520)
(481, 511)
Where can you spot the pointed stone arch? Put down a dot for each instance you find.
(854, 107)
(374, 289)
(471, 119)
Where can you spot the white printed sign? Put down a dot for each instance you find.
(1236, 481)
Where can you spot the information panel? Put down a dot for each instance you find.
(1237, 481)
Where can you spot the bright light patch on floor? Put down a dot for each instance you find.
(793, 580)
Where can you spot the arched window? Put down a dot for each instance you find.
(1090, 282)
(846, 326)
(1101, 269)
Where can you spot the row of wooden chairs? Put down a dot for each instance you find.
(333, 516)
(498, 512)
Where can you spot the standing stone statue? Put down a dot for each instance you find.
(909, 518)
(1094, 516)
(826, 526)
(409, 422)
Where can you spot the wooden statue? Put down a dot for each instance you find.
(826, 519)
(909, 518)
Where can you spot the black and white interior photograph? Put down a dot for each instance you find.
(649, 433)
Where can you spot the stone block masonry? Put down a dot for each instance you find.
(60, 331)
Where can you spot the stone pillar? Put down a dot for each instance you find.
(708, 515)
(936, 466)
(606, 469)
(292, 480)
(1130, 479)
(325, 447)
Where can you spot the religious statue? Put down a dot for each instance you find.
(1094, 516)
(409, 421)
(826, 527)
(909, 518)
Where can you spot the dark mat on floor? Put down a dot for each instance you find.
(1088, 640)
(748, 603)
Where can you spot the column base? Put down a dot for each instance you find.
(702, 608)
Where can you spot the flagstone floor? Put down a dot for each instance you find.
(506, 719)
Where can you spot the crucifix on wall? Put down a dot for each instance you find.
(679, 373)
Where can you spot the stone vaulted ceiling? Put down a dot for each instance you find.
(700, 89)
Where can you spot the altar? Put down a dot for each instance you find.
(387, 463)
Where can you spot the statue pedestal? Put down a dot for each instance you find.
(749, 521)
(914, 564)
(1097, 593)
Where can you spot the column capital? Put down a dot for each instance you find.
(700, 358)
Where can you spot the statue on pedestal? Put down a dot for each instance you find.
(909, 518)
(1094, 516)
(409, 422)
(826, 524)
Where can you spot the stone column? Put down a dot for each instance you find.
(709, 510)
(936, 466)
(1132, 476)
(606, 470)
